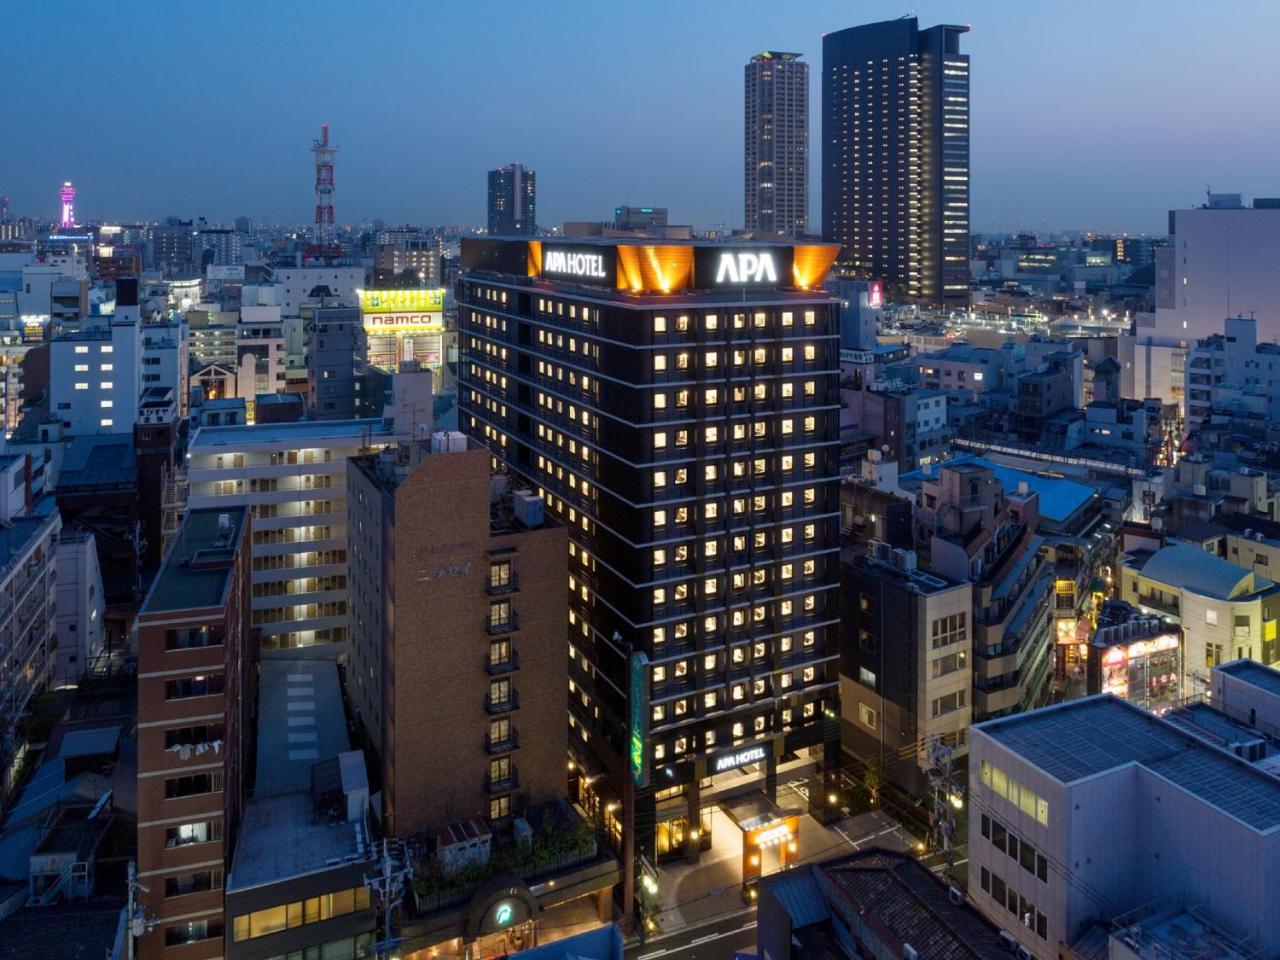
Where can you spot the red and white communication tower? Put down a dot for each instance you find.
(324, 152)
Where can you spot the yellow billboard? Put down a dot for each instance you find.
(393, 312)
(401, 301)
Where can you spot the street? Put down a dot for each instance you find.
(717, 938)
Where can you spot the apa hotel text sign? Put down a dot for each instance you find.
(764, 267)
(585, 264)
(738, 758)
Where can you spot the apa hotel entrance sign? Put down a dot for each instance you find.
(739, 758)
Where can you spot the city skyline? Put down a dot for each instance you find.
(1110, 145)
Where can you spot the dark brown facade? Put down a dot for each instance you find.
(193, 658)
(459, 624)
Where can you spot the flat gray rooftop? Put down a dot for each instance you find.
(281, 838)
(1082, 738)
(300, 723)
(287, 433)
(179, 585)
(1255, 674)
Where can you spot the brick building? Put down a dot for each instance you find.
(457, 636)
(193, 697)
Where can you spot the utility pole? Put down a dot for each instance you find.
(387, 887)
(939, 772)
(139, 922)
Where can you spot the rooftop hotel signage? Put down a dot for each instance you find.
(656, 267)
(743, 266)
(596, 264)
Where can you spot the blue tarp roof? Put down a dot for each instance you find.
(800, 896)
(89, 743)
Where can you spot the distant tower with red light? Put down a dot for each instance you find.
(68, 196)
(324, 152)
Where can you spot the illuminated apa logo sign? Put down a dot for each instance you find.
(741, 758)
(746, 268)
(575, 264)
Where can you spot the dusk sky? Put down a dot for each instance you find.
(1091, 114)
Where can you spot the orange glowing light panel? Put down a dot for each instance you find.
(811, 263)
(535, 258)
(654, 268)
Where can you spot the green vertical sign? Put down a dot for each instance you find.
(640, 719)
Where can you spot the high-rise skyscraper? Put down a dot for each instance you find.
(776, 159)
(512, 202)
(895, 156)
(677, 406)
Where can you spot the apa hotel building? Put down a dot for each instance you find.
(677, 406)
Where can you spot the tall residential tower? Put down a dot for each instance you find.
(513, 198)
(776, 159)
(895, 157)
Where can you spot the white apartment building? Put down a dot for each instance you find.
(292, 476)
(1221, 262)
(260, 342)
(1087, 811)
(94, 375)
(80, 605)
(28, 630)
(166, 360)
(296, 284)
(1232, 373)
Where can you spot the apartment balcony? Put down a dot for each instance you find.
(1167, 605)
(497, 589)
(506, 705)
(498, 668)
(505, 783)
(505, 745)
(509, 625)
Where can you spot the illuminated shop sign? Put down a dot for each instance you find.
(389, 323)
(595, 265)
(401, 301)
(875, 294)
(739, 758)
(639, 752)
